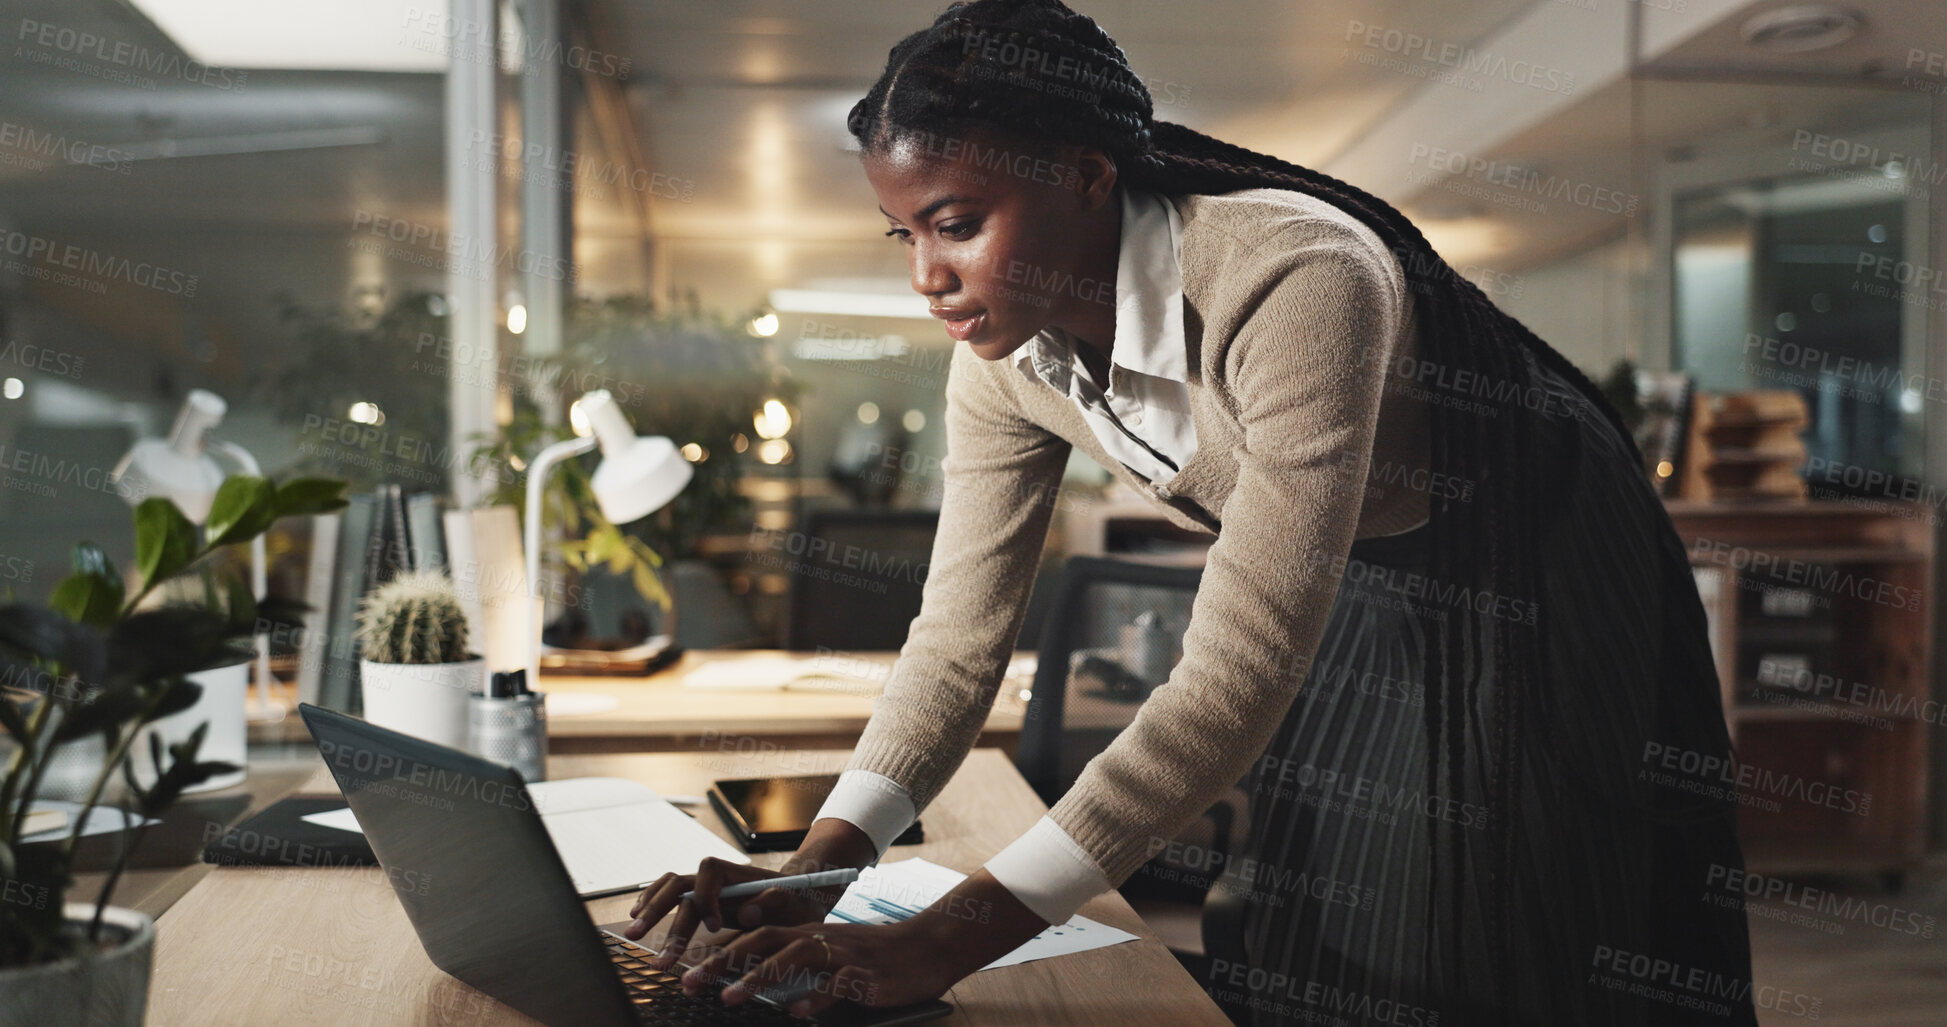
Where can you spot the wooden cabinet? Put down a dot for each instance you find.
(1820, 628)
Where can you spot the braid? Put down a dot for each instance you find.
(1047, 75)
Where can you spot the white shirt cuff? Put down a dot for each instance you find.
(873, 803)
(1048, 872)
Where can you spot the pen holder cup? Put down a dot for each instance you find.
(512, 730)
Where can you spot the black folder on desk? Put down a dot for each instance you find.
(281, 837)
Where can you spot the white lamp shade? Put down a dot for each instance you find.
(178, 469)
(155, 468)
(638, 475)
(640, 480)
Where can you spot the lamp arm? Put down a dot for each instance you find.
(537, 479)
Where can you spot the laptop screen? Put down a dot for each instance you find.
(465, 851)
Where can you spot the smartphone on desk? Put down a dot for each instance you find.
(773, 814)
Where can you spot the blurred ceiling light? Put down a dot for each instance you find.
(1800, 28)
(774, 451)
(739, 442)
(247, 142)
(362, 412)
(849, 346)
(914, 421)
(765, 324)
(856, 304)
(1469, 240)
(868, 412)
(772, 422)
(578, 419)
(13, 388)
(345, 35)
(694, 453)
(517, 319)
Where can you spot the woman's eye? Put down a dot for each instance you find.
(960, 230)
(902, 235)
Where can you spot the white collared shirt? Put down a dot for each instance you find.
(1143, 420)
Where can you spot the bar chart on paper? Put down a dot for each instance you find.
(891, 892)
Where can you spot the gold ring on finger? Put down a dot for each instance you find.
(820, 939)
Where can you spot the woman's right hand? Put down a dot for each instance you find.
(782, 906)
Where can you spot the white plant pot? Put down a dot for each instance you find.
(221, 706)
(426, 700)
(106, 989)
(72, 770)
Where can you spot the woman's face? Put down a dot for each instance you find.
(1003, 240)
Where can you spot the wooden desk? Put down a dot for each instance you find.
(657, 713)
(305, 946)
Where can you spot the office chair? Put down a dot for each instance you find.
(1099, 658)
(855, 582)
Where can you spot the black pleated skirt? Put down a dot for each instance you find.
(1362, 908)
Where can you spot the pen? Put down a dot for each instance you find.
(806, 882)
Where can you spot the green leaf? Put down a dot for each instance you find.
(88, 558)
(40, 632)
(301, 496)
(212, 599)
(183, 771)
(93, 593)
(169, 642)
(88, 599)
(242, 606)
(245, 505)
(179, 694)
(650, 587)
(644, 551)
(12, 720)
(165, 541)
(107, 711)
(276, 614)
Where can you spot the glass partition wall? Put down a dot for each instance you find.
(1794, 263)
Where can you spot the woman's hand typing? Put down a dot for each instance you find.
(831, 844)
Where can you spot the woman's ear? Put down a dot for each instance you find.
(1094, 175)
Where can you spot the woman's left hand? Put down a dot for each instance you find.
(870, 964)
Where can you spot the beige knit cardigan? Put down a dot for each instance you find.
(1296, 315)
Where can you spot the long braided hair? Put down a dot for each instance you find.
(1041, 73)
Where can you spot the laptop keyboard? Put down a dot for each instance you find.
(658, 995)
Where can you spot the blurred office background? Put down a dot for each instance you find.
(391, 232)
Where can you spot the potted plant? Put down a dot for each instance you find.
(416, 672)
(95, 667)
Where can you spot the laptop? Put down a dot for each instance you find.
(468, 857)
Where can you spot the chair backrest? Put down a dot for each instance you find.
(1113, 632)
(856, 580)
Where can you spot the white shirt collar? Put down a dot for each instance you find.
(1148, 296)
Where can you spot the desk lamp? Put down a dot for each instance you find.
(183, 470)
(638, 475)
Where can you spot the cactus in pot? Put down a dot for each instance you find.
(416, 671)
(414, 618)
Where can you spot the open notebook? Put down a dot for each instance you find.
(614, 835)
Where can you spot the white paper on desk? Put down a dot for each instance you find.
(763, 672)
(613, 835)
(891, 892)
(101, 820)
